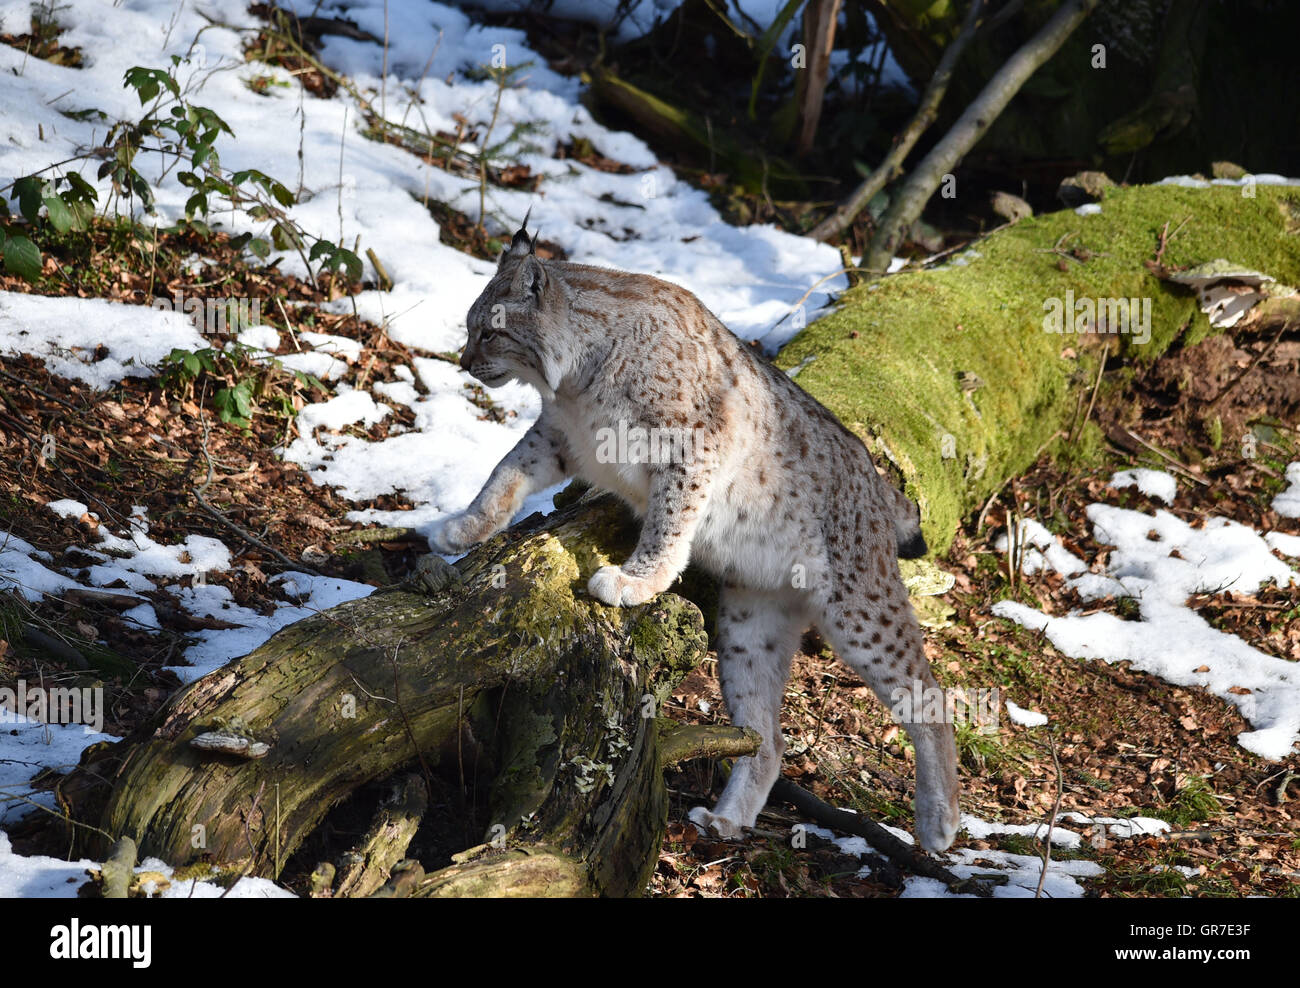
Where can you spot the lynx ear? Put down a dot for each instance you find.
(535, 278)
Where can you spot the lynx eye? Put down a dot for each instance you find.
(486, 335)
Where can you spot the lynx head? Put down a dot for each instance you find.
(517, 325)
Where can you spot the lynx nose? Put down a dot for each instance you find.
(466, 358)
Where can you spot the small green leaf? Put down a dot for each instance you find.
(282, 195)
(80, 190)
(22, 258)
(61, 217)
(29, 192)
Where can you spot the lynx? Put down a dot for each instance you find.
(760, 485)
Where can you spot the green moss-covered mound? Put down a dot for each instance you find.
(949, 373)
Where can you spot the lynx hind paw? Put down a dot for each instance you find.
(937, 823)
(610, 585)
(706, 820)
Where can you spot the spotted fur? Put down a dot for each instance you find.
(777, 498)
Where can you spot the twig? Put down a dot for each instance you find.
(385, 279)
(811, 288)
(926, 112)
(1179, 468)
(1051, 822)
(247, 536)
(40, 391)
(1092, 402)
(979, 522)
(1165, 237)
(907, 204)
(904, 855)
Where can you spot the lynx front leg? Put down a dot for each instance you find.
(678, 497)
(536, 462)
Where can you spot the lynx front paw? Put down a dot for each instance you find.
(610, 585)
(706, 820)
(457, 534)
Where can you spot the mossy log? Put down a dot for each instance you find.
(672, 126)
(513, 666)
(949, 373)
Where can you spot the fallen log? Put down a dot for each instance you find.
(512, 668)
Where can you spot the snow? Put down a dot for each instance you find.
(1152, 483)
(28, 746)
(1025, 718)
(1088, 209)
(22, 569)
(1192, 182)
(1161, 561)
(66, 332)
(1022, 871)
(134, 557)
(1287, 504)
(53, 878)
(1124, 827)
(1288, 545)
(216, 647)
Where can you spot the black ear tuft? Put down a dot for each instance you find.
(522, 244)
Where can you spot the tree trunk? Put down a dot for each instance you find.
(514, 667)
(819, 22)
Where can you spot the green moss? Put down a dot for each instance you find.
(1194, 802)
(890, 360)
(1088, 448)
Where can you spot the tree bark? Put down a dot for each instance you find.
(515, 666)
(819, 22)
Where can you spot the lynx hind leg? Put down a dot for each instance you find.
(872, 628)
(757, 637)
